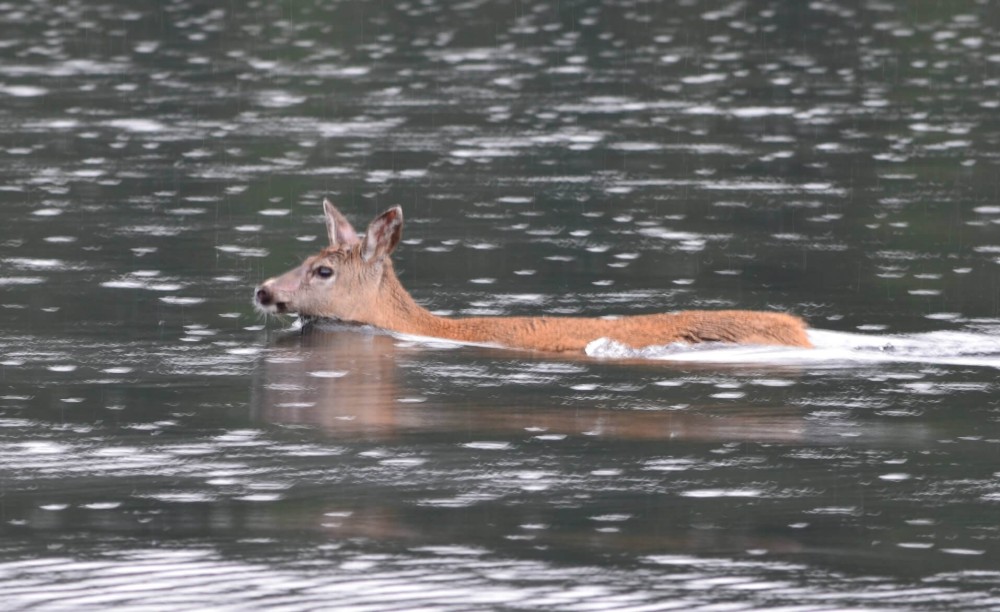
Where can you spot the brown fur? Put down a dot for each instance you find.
(364, 289)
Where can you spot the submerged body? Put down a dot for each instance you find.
(564, 334)
(353, 280)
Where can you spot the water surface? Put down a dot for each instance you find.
(163, 445)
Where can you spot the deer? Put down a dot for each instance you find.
(353, 280)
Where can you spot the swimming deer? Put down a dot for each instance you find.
(353, 280)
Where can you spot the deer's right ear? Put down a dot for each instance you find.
(338, 228)
(383, 235)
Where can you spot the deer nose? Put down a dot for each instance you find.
(264, 296)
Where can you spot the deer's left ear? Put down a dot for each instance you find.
(383, 235)
(338, 228)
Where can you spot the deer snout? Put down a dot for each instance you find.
(265, 298)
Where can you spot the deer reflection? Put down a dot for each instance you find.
(353, 381)
(349, 383)
(340, 380)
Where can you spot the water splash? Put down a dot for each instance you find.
(832, 349)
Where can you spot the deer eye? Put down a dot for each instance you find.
(324, 272)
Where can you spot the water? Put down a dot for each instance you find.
(162, 445)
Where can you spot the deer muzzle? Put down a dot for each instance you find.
(266, 300)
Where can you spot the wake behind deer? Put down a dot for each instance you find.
(353, 280)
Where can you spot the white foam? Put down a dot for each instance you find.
(137, 125)
(21, 280)
(832, 349)
(182, 301)
(329, 373)
(32, 263)
(23, 91)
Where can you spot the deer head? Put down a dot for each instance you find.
(341, 281)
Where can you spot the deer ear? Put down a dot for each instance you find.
(383, 235)
(338, 228)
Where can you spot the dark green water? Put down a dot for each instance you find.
(163, 446)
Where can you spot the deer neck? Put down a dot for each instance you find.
(395, 309)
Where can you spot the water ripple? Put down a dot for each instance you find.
(446, 578)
